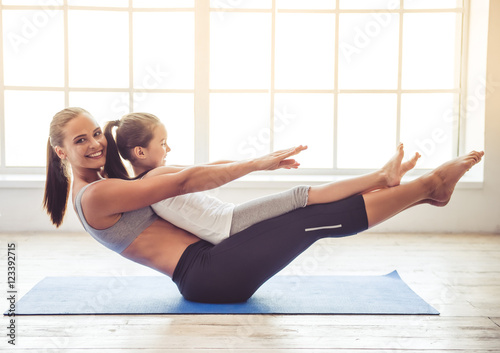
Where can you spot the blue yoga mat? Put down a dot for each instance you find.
(386, 294)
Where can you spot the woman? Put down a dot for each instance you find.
(117, 212)
(141, 139)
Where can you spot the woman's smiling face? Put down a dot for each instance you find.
(84, 143)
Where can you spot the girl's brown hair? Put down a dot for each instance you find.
(57, 182)
(132, 130)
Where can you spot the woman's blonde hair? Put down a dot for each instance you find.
(57, 182)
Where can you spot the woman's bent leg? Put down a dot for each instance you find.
(234, 269)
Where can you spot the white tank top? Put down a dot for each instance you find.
(205, 216)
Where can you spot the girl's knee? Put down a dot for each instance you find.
(302, 194)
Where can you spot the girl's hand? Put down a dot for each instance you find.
(279, 159)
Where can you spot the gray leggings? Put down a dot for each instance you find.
(266, 207)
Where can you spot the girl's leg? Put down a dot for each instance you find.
(390, 175)
(270, 206)
(258, 210)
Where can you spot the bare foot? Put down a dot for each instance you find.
(394, 170)
(444, 178)
(410, 164)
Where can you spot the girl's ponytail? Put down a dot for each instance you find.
(113, 167)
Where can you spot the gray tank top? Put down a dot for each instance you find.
(121, 234)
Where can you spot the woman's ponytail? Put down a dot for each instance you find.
(57, 182)
(113, 167)
(57, 187)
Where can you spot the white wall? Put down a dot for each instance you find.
(470, 210)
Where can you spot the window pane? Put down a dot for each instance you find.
(98, 49)
(241, 4)
(24, 2)
(99, 3)
(33, 48)
(366, 129)
(27, 119)
(305, 51)
(305, 119)
(176, 111)
(239, 125)
(429, 51)
(305, 4)
(240, 50)
(368, 51)
(163, 50)
(427, 126)
(104, 106)
(369, 4)
(432, 4)
(163, 3)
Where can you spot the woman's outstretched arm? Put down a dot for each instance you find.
(167, 169)
(115, 196)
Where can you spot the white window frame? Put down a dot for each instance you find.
(202, 89)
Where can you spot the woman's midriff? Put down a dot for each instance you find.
(160, 246)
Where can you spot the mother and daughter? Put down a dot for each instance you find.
(215, 252)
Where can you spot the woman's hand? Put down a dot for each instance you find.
(279, 159)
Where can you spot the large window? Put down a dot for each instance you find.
(233, 79)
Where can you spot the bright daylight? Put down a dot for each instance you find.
(250, 176)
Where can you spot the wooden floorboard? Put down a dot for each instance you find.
(273, 350)
(457, 274)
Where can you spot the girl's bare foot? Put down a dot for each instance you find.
(442, 180)
(410, 164)
(394, 170)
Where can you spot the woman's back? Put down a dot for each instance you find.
(121, 234)
(139, 235)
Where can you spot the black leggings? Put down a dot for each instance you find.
(234, 269)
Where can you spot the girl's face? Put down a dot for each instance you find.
(84, 143)
(158, 148)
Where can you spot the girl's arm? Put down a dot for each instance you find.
(114, 196)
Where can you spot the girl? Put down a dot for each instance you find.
(141, 139)
(117, 213)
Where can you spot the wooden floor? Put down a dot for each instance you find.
(458, 274)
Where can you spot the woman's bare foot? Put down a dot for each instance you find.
(394, 170)
(442, 180)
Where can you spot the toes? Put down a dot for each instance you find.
(474, 156)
